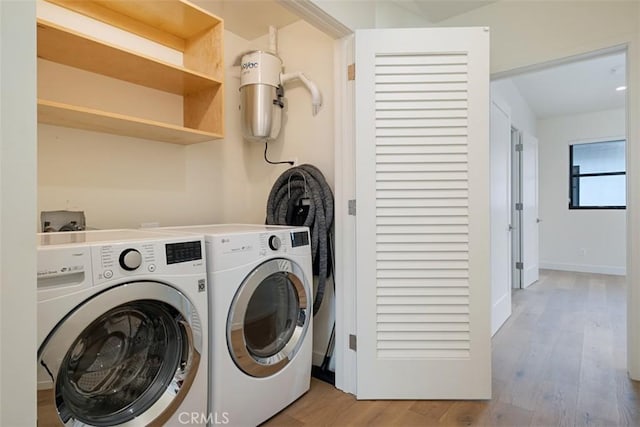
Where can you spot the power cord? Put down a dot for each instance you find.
(266, 145)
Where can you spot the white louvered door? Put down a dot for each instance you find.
(422, 225)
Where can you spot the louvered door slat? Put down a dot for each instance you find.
(426, 284)
(429, 59)
(421, 291)
(405, 70)
(424, 104)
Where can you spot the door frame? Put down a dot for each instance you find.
(527, 237)
(516, 215)
(345, 223)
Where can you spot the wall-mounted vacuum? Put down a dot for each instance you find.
(262, 93)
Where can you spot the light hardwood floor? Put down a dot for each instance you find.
(560, 360)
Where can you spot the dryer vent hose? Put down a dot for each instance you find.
(302, 197)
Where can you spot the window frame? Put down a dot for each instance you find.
(574, 186)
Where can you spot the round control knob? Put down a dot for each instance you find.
(274, 243)
(130, 259)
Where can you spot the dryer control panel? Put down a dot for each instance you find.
(299, 238)
(232, 250)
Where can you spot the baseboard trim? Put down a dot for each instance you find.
(582, 268)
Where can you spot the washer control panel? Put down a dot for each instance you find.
(177, 256)
(124, 260)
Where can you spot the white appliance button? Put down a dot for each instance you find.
(108, 274)
(130, 259)
(274, 243)
(151, 268)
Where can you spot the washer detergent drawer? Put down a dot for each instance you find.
(127, 355)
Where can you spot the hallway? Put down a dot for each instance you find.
(560, 360)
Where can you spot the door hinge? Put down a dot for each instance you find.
(518, 206)
(518, 147)
(519, 266)
(353, 344)
(352, 207)
(351, 72)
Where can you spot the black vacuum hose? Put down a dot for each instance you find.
(304, 188)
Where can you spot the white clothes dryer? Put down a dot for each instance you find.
(261, 302)
(122, 328)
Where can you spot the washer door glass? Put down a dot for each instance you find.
(120, 364)
(268, 318)
(122, 357)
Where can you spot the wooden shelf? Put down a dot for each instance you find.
(60, 114)
(171, 23)
(178, 24)
(67, 47)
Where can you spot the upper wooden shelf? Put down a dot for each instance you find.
(171, 23)
(179, 24)
(61, 45)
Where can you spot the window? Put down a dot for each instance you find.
(597, 177)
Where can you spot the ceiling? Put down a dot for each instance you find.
(577, 87)
(439, 10)
(249, 19)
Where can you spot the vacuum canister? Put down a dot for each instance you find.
(261, 96)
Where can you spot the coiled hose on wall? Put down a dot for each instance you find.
(303, 188)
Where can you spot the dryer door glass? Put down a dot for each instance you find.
(269, 317)
(272, 315)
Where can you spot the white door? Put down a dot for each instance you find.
(530, 220)
(501, 271)
(422, 225)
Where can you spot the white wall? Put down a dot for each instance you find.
(522, 117)
(17, 214)
(123, 182)
(577, 240)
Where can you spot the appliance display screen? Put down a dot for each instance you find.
(183, 252)
(299, 238)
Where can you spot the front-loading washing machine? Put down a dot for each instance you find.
(122, 329)
(261, 297)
